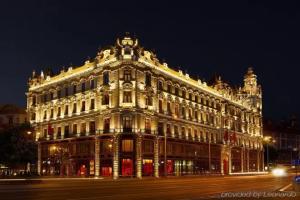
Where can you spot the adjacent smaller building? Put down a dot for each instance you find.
(286, 137)
(11, 115)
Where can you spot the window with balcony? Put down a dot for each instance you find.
(127, 97)
(160, 128)
(74, 129)
(147, 126)
(58, 131)
(92, 127)
(67, 132)
(83, 128)
(177, 110)
(168, 129)
(127, 124)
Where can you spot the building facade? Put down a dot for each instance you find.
(125, 113)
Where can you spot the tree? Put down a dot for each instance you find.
(17, 146)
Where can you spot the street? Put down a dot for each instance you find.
(148, 188)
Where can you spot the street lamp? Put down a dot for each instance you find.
(268, 140)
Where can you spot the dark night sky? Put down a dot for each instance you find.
(203, 38)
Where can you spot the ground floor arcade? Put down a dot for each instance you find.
(131, 155)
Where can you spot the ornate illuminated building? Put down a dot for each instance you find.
(125, 113)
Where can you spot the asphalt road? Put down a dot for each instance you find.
(182, 188)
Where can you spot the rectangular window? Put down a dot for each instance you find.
(149, 101)
(176, 131)
(74, 128)
(66, 110)
(51, 95)
(160, 128)
(106, 125)
(92, 127)
(148, 146)
(33, 100)
(83, 87)
(82, 106)
(148, 79)
(196, 98)
(58, 131)
(92, 106)
(127, 75)
(83, 128)
(147, 126)
(160, 107)
(160, 85)
(105, 78)
(51, 113)
(66, 91)
(74, 89)
(105, 99)
(74, 108)
(92, 84)
(45, 114)
(169, 88)
(58, 112)
(127, 124)
(45, 97)
(168, 129)
(127, 145)
(183, 112)
(176, 110)
(169, 108)
(176, 91)
(127, 97)
(183, 94)
(59, 94)
(67, 132)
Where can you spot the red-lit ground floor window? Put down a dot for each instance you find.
(170, 167)
(127, 167)
(147, 167)
(106, 171)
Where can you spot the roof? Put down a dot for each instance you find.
(11, 109)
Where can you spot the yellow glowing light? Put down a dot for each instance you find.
(279, 172)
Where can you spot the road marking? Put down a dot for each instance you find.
(286, 187)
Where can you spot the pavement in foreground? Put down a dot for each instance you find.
(181, 188)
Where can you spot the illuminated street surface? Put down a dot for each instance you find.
(147, 188)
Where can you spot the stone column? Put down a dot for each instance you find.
(139, 156)
(248, 169)
(242, 159)
(156, 158)
(97, 157)
(39, 162)
(258, 160)
(116, 157)
(222, 157)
